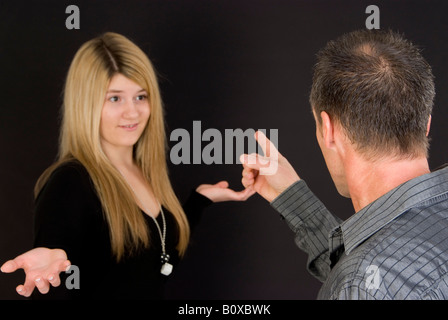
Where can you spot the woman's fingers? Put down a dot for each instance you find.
(27, 288)
(246, 194)
(53, 277)
(21, 290)
(9, 266)
(40, 281)
(55, 281)
(63, 266)
(42, 285)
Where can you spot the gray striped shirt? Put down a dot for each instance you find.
(394, 248)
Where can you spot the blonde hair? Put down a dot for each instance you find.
(90, 72)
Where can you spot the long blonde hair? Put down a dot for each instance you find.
(90, 72)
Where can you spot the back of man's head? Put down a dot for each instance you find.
(379, 88)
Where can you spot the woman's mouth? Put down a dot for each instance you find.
(129, 127)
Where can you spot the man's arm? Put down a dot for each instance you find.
(290, 196)
(311, 223)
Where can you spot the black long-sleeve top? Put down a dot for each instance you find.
(69, 216)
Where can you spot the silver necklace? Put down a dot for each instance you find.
(167, 267)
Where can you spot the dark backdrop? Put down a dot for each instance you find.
(230, 64)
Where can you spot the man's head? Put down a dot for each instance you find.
(378, 90)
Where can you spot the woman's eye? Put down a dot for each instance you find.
(142, 97)
(113, 99)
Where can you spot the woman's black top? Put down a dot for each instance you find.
(69, 216)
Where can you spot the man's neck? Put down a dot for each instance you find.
(367, 181)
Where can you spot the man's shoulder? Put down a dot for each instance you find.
(406, 258)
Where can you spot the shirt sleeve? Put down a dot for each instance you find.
(59, 210)
(60, 221)
(311, 222)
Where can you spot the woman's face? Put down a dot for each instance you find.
(124, 115)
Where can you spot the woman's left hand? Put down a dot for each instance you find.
(220, 192)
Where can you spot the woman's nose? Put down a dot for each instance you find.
(130, 110)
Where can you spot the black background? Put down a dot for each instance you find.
(230, 64)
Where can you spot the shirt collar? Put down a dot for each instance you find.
(388, 207)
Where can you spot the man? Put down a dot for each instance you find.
(372, 98)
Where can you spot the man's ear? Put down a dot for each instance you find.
(327, 128)
(428, 126)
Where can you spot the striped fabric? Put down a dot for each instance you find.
(394, 248)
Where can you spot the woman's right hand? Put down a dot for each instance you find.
(42, 267)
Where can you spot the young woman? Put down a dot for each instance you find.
(107, 203)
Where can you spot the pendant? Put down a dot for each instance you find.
(167, 268)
